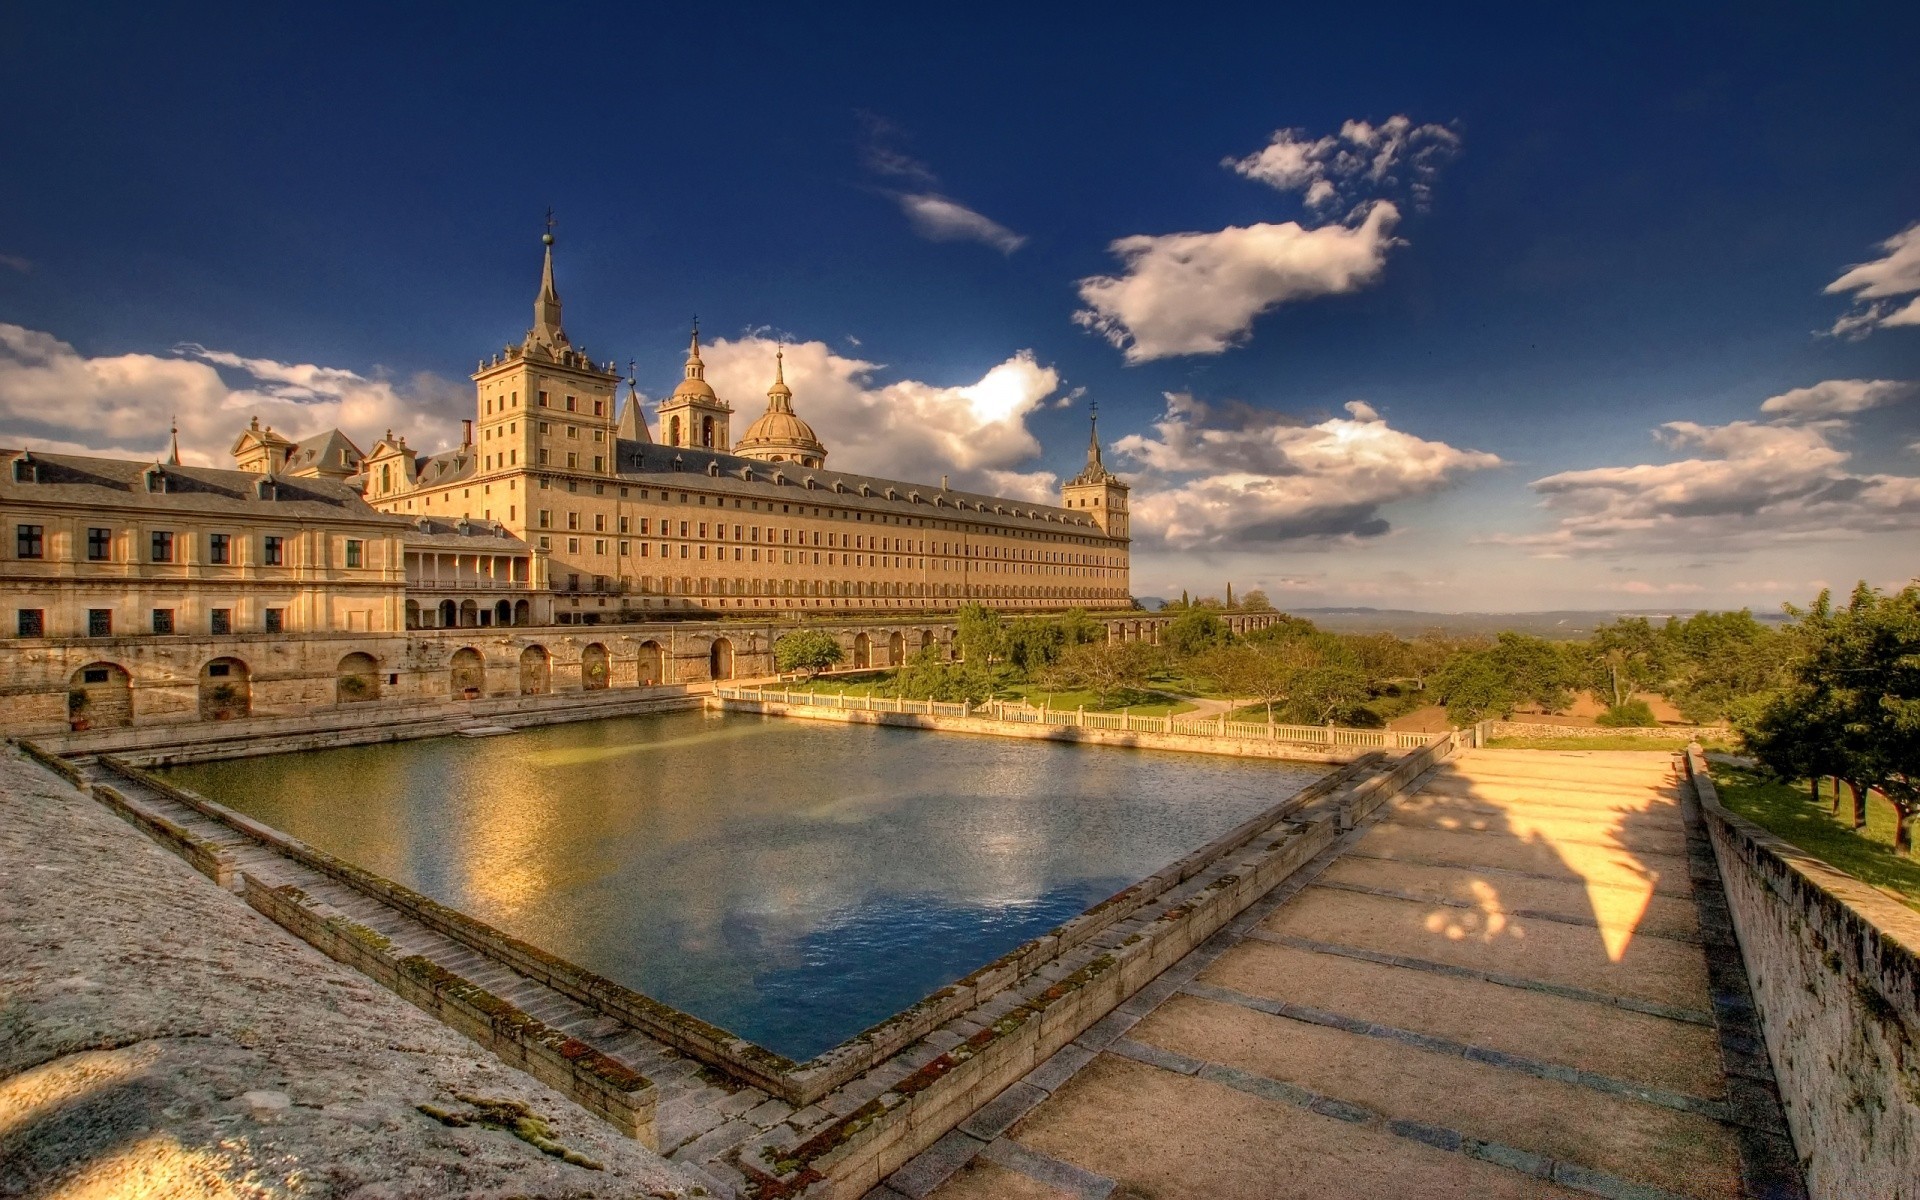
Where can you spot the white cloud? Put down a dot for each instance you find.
(1878, 286)
(1361, 160)
(1748, 484)
(939, 219)
(1241, 476)
(55, 398)
(1837, 397)
(976, 433)
(1198, 293)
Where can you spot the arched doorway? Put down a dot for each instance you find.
(896, 649)
(503, 613)
(447, 611)
(594, 669)
(522, 612)
(862, 651)
(357, 678)
(926, 640)
(100, 696)
(469, 614)
(226, 690)
(469, 674)
(720, 659)
(413, 614)
(536, 671)
(652, 665)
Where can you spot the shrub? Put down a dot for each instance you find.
(1632, 714)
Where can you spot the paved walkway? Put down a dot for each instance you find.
(1519, 983)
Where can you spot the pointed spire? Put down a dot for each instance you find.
(695, 368)
(633, 420)
(546, 306)
(779, 396)
(173, 454)
(1093, 438)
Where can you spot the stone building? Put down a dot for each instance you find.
(692, 521)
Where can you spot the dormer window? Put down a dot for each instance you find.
(25, 470)
(713, 469)
(156, 479)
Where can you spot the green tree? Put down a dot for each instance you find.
(1473, 687)
(1256, 601)
(1537, 671)
(926, 676)
(1716, 663)
(981, 635)
(1269, 672)
(809, 650)
(1196, 631)
(1624, 659)
(1107, 669)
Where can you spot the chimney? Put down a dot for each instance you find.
(466, 434)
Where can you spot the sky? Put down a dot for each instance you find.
(1494, 309)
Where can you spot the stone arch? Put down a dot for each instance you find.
(449, 613)
(673, 431)
(862, 651)
(720, 659)
(706, 433)
(357, 678)
(536, 671)
(100, 696)
(896, 648)
(596, 672)
(522, 612)
(469, 614)
(226, 690)
(926, 639)
(652, 667)
(468, 677)
(503, 613)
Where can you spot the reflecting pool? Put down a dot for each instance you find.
(794, 881)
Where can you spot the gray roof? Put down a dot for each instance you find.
(323, 450)
(479, 536)
(122, 483)
(647, 463)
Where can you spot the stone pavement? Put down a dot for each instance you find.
(158, 1038)
(1520, 982)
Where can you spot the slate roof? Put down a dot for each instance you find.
(122, 483)
(324, 451)
(481, 537)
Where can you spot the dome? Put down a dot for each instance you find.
(696, 388)
(781, 427)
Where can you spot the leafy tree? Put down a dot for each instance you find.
(1473, 687)
(1270, 672)
(1196, 631)
(926, 676)
(1715, 662)
(1623, 659)
(981, 635)
(808, 650)
(1107, 669)
(1033, 643)
(1256, 601)
(1537, 670)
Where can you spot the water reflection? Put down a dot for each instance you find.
(793, 881)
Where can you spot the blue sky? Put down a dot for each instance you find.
(1448, 274)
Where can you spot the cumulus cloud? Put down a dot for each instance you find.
(1239, 476)
(1745, 484)
(933, 214)
(974, 432)
(1881, 288)
(55, 398)
(939, 219)
(1360, 160)
(1837, 397)
(1198, 293)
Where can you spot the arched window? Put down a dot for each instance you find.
(386, 477)
(706, 432)
(673, 432)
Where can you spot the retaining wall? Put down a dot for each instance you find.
(1835, 971)
(1671, 733)
(1231, 747)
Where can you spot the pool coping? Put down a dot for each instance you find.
(796, 1083)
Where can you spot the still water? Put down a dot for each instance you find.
(793, 881)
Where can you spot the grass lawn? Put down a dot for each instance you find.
(1785, 810)
(1140, 704)
(858, 685)
(1601, 740)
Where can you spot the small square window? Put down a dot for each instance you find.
(30, 541)
(99, 545)
(276, 620)
(99, 622)
(272, 551)
(220, 548)
(222, 620)
(353, 552)
(162, 546)
(163, 620)
(33, 622)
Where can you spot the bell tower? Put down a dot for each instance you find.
(1096, 491)
(694, 415)
(544, 404)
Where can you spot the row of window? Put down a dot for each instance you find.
(30, 541)
(687, 585)
(799, 536)
(32, 622)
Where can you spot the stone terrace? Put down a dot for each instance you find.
(1520, 982)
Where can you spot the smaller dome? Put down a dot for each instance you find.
(695, 387)
(781, 427)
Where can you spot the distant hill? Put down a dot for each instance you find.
(1566, 624)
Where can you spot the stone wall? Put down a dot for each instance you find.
(1672, 733)
(1835, 969)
